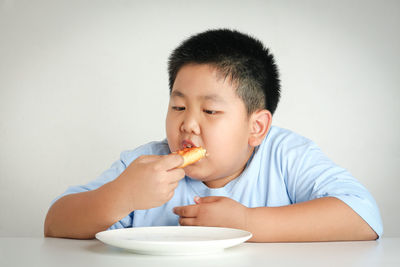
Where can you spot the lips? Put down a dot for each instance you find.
(187, 144)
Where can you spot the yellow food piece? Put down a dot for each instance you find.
(191, 155)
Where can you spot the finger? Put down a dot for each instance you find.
(148, 158)
(175, 175)
(173, 186)
(207, 199)
(188, 222)
(170, 195)
(171, 161)
(187, 211)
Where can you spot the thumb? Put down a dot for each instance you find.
(210, 199)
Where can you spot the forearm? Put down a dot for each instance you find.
(324, 219)
(84, 214)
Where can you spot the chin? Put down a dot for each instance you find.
(195, 173)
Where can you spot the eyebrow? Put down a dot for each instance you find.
(212, 97)
(177, 93)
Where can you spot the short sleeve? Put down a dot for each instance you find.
(107, 176)
(311, 174)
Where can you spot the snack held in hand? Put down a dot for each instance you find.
(191, 155)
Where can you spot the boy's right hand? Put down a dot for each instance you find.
(150, 181)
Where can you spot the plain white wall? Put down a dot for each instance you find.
(81, 81)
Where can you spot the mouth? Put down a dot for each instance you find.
(187, 144)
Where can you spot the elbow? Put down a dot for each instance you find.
(371, 235)
(48, 229)
(47, 233)
(367, 233)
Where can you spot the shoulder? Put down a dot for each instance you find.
(151, 148)
(285, 140)
(286, 149)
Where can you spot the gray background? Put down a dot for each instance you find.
(81, 81)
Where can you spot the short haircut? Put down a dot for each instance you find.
(242, 58)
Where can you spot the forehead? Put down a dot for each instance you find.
(203, 81)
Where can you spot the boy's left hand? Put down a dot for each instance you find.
(213, 211)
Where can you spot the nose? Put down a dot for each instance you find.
(190, 124)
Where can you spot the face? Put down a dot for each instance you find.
(204, 110)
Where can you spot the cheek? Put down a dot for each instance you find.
(226, 139)
(171, 130)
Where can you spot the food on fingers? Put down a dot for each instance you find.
(191, 155)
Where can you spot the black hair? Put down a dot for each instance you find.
(238, 56)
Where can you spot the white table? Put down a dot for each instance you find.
(67, 252)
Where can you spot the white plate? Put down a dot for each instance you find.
(174, 240)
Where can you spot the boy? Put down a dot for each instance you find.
(224, 88)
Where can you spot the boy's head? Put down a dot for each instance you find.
(237, 56)
(224, 88)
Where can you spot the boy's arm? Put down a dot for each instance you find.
(323, 219)
(84, 214)
(147, 182)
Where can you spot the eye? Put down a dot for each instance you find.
(178, 108)
(210, 112)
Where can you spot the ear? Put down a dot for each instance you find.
(260, 123)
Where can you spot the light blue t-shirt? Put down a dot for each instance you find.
(285, 169)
